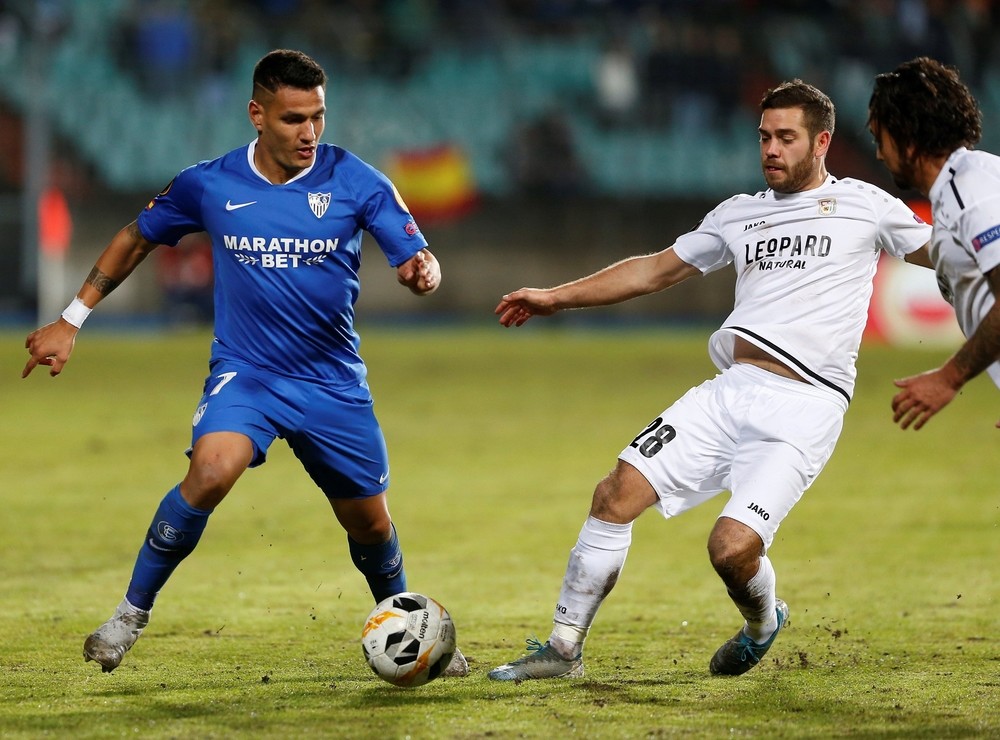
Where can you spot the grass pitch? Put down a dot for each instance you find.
(889, 563)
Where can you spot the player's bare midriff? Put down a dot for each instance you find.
(744, 351)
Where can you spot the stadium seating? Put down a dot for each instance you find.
(475, 100)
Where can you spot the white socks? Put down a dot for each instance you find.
(762, 620)
(594, 566)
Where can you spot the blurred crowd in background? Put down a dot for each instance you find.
(561, 78)
(461, 101)
(657, 55)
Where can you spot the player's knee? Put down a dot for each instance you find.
(603, 501)
(728, 561)
(373, 533)
(217, 462)
(621, 496)
(734, 551)
(207, 483)
(365, 520)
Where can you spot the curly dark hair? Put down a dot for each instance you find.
(924, 104)
(287, 68)
(817, 108)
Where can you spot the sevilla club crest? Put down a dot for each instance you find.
(318, 203)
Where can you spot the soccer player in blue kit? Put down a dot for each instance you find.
(285, 215)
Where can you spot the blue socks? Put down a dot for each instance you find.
(381, 565)
(172, 536)
(177, 526)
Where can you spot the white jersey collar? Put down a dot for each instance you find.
(253, 167)
(945, 174)
(830, 180)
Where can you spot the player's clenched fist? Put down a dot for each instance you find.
(421, 273)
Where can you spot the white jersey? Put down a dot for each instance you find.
(965, 204)
(804, 269)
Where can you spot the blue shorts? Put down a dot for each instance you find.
(333, 432)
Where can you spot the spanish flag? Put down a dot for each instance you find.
(436, 182)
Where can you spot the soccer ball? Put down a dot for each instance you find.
(408, 639)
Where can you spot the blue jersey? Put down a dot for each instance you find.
(286, 257)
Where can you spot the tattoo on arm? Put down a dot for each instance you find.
(102, 282)
(983, 347)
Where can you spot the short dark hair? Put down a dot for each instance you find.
(924, 104)
(287, 68)
(817, 108)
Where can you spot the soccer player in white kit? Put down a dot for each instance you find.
(805, 252)
(925, 122)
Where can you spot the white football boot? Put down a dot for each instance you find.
(542, 661)
(109, 643)
(458, 667)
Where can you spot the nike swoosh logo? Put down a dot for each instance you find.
(384, 476)
(230, 206)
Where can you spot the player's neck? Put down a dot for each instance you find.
(818, 179)
(271, 170)
(274, 174)
(926, 172)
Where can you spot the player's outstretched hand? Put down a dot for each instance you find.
(421, 273)
(922, 396)
(51, 345)
(517, 307)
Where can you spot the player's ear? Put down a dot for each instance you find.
(822, 143)
(256, 114)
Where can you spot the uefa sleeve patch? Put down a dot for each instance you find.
(987, 237)
(160, 194)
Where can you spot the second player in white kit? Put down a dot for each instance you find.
(965, 201)
(805, 253)
(933, 153)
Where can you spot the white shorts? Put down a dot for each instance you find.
(763, 437)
